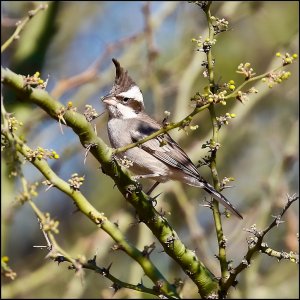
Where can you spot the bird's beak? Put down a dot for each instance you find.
(109, 100)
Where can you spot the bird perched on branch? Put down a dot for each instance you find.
(160, 158)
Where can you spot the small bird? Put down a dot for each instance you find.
(160, 158)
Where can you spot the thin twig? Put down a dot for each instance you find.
(49, 245)
(256, 245)
(21, 25)
(277, 219)
(163, 130)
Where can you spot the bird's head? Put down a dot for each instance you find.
(125, 99)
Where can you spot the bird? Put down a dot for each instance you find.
(161, 158)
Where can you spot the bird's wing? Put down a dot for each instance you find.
(163, 147)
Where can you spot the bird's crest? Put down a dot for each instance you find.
(123, 82)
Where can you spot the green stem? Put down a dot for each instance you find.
(235, 92)
(216, 211)
(209, 53)
(213, 164)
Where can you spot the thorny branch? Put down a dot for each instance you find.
(256, 244)
(59, 255)
(98, 218)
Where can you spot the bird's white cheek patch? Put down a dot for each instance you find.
(126, 112)
(133, 93)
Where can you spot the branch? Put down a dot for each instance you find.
(163, 130)
(186, 258)
(47, 272)
(96, 217)
(279, 254)
(21, 25)
(256, 245)
(58, 254)
(213, 164)
(277, 219)
(234, 94)
(118, 284)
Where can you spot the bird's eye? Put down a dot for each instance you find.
(125, 100)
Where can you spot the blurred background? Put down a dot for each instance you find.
(72, 44)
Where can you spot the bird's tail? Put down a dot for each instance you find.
(220, 198)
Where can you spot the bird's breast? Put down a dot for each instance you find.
(143, 163)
